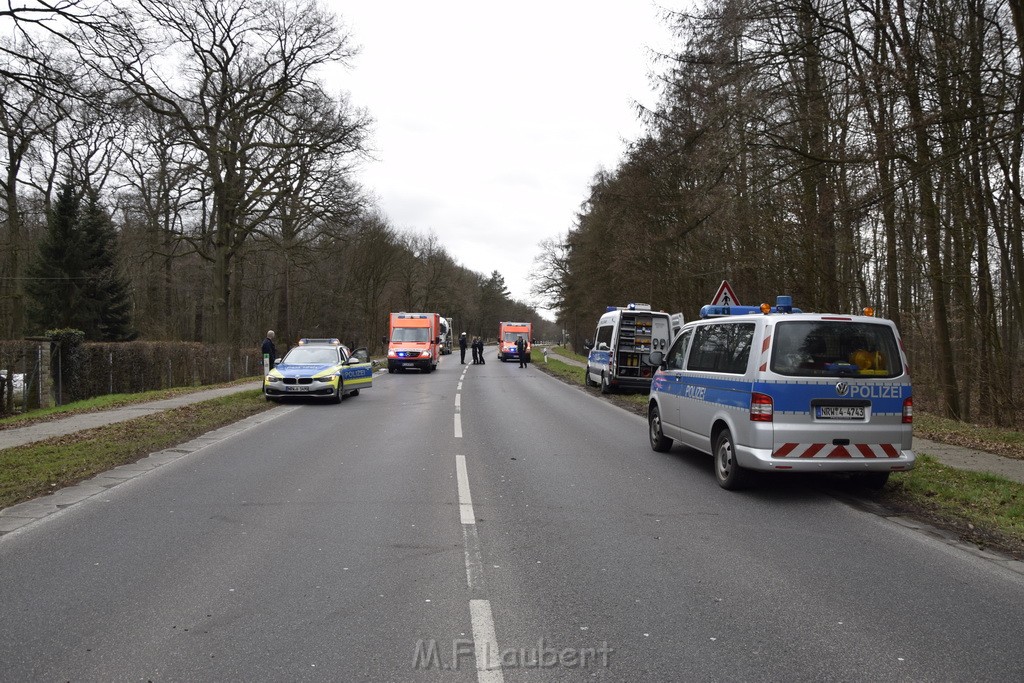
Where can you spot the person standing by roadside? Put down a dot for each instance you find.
(480, 349)
(269, 351)
(462, 348)
(521, 351)
(476, 356)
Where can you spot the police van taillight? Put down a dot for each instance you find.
(908, 411)
(761, 408)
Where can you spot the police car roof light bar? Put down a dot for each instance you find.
(783, 304)
(334, 341)
(630, 307)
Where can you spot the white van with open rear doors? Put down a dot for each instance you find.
(619, 355)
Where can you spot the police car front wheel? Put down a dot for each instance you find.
(659, 442)
(729, 474)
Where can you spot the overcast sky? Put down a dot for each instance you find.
(492, 118)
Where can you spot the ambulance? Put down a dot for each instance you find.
(774, 389)
(414, 341)
(619, 357)
(508, 334)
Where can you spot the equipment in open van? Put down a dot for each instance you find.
(619, 356)
(785, 391)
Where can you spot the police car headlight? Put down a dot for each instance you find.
(272, 378)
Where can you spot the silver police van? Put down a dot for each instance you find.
(784, 391)
(619, 356)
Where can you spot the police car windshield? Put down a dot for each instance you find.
(827, 348)
(410, 334)
(306, 355)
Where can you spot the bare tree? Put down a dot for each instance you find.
(223, 71)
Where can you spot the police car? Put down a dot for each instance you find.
(319, 368)
(774, 389)
(619, 356)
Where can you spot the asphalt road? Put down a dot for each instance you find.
(486, 523)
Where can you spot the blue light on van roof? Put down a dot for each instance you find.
(783, 304)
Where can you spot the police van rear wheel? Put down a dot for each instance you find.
(729, 474)
(659, 442)
(586, 378)
(874, 481)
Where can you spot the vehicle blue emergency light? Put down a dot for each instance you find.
(783, 304)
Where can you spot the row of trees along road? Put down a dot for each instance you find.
(848, 153)
(205, 134)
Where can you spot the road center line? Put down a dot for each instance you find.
(458, 426)
(465, 499)
(485, 643)
(458, 400)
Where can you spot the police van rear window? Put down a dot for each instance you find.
(834, 348)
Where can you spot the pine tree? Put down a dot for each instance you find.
(106, 290)
(75, 283)
(56, 276)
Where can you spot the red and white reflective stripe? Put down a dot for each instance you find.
(822, 451)
(764, 349)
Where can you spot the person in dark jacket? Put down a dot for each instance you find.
(521, 351)
(476, 356)
(268, 349)
(480, 350)
(462, 348)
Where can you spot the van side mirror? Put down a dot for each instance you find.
(588, 345)
(657, 358)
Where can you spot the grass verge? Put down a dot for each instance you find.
(982, 509)
(36, 469)
(1006, 442)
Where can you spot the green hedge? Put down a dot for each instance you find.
(131, 367)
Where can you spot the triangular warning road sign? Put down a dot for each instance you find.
(725, 296)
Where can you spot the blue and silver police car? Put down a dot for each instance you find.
(775, 389)
(319, 368)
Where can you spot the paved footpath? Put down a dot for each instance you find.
(18, 436)
(953, 456)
